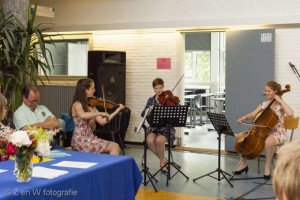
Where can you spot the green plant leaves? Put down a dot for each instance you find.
(22, 55)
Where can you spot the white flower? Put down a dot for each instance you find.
(20, 138)
(43, 148)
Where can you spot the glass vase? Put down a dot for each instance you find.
(23, 166)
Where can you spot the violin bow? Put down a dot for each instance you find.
(175, 85)
(104, 103)
(103, 94)
(177, 82)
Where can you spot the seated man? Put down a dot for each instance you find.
(30, 113)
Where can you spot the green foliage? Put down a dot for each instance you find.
(22, 55)
(197, 66)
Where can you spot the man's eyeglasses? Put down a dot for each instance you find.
(33, 101)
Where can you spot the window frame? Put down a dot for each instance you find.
(66, 79)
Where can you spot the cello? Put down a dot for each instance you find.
(252, 142)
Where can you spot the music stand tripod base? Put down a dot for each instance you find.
(145, 170)
(221, 126)
(169, 116)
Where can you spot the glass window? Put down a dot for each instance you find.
(205, 61)
(197, 66)
(70, 57)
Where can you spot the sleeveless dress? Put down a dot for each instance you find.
(83, 138)
(278, 131)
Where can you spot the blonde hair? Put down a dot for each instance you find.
(3, 105)
(286, 175)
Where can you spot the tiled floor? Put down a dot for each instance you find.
(196, 163)
(202, 137)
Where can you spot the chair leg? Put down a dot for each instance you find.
(113, 136)
(120, 141)
(258, 164)
(121, 144)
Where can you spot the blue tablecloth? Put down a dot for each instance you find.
(113, 178)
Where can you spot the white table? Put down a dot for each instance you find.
(219, 94)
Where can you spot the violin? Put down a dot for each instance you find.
(167, 98)
(252, 142)
(94, 101)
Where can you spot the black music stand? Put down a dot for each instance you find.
(221, 125)
(145, 170)
(169, 116)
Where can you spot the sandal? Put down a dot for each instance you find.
(165, 167)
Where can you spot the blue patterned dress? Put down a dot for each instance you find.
(165, 131)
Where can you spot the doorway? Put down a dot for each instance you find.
(204, 61)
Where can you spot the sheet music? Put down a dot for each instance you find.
(48, 173)
(57, 154)
(72, 164)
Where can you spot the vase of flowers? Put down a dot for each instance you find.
(23, 165)
(23, 145)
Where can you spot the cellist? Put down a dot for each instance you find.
(277, 135)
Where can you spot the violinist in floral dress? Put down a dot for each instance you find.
(158, 136)
(84, 116)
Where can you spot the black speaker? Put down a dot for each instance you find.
(108, 68)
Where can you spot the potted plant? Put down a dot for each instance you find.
(22, 55)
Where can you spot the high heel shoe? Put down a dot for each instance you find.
(267, 177)
(241, 171)
(164, 170)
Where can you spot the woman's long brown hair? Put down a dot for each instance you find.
(80, 93)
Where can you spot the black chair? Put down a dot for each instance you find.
(112, 131)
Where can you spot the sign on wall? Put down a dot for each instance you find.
(163, 63)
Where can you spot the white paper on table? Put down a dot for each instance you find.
(72, 164)
(43, 172)
(3, 170)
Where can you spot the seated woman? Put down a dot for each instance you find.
(158, 136)
(3, 109)
(84, 115)
(275, 136)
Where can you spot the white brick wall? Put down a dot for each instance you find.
(287, 49)
(142, 50)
